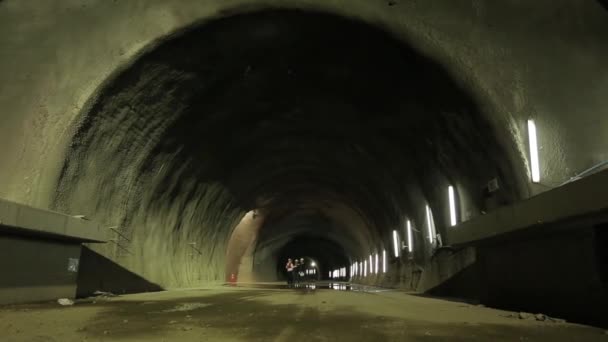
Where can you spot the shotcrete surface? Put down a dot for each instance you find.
(267, 313)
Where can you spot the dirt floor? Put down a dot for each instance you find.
(278, 314)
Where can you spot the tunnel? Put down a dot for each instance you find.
(445, 150)
(288, 113)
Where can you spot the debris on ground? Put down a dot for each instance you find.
(65, 301)
(96, 296)
(537, 317)
(104, 294)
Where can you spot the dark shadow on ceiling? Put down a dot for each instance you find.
(279, 109)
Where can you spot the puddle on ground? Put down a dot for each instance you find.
(313, 287)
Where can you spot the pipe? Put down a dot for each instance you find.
(587, 172)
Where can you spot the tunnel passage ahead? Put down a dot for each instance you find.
(281, 112)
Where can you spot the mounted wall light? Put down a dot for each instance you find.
(384, 261)
(396, 243)
(371, 264)
(532, 140)
(410, 240)
(430, 225)
(365, 268)
(376, 267)
(452, 199)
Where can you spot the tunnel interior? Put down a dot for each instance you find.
(318, 254)
(332, 129)
(309, 235)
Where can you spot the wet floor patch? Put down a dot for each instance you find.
(245, 315)
(236, 315)
(313, 286)
(269, 315)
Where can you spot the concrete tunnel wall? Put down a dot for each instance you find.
(90, 124)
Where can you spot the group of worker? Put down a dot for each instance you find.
(296, 271)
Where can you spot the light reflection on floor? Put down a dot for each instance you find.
(312, 286)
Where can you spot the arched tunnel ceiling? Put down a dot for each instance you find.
(279, 110)
(507, 52)
(283, 109)
(289, 111)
